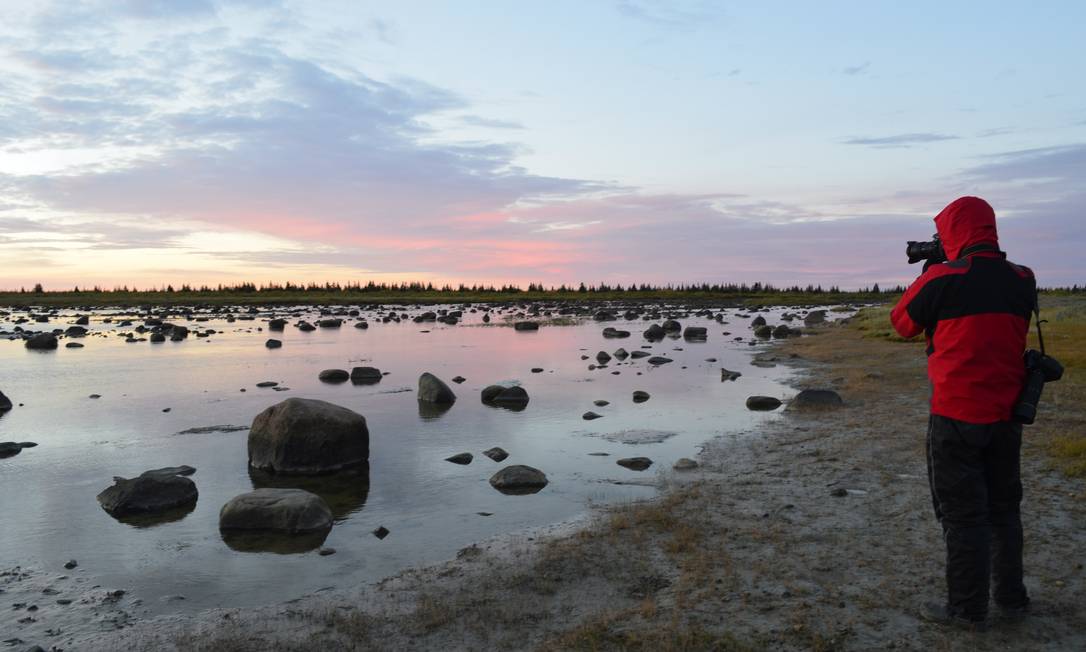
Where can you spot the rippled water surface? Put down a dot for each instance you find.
(430, 506)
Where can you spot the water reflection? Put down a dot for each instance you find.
(345, 491)
(144, 521)
(432, 411)
(280, 544)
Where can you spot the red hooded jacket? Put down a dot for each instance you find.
(975, 311)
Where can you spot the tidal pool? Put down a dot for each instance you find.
(431, 507)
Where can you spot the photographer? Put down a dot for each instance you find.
(975, 312)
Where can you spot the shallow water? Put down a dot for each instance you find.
(430, 506)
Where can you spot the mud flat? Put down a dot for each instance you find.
(815, 534)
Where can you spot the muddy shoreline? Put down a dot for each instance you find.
(813, 533)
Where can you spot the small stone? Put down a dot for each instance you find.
(324, 552)
(763, 403)
(381, 532)
(70, 564)
(497, 453)
(601, 403)
(460, 458)
(685, 464)
(640, 396)
(635, 463)
(588, 416)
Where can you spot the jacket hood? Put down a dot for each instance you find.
(966, 221)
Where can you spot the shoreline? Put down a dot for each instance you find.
(756, 548)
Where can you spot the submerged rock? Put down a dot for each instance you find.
(287, 511)
(635, 463)
(152, 492)
(273, 344)
(684, 464)
(511, 397)
(726, 374)
(658, 360)
(5, 403)
(334, 376)
(460, 458)
(365, 375)
(526, 326)
(640, 396)
(307, 436)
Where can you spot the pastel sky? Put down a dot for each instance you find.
(146, 142)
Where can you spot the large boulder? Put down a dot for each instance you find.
(672, 326)
(434, 390)
(152, 492)
(286, 511)
(526, 326)
(816, 399)
(277, 324)
(815, 317)
(42, 342)
(518, 479)
(696, 333)
(655, 332)
(5, 403)
(308, 436)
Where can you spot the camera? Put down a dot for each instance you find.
(1040, 369)
(931, 251)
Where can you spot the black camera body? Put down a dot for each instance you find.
(1040, 369)
(931, 251)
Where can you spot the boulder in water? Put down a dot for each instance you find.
(635, 463)
(511, 397)
(152, 492)
(365, 375)
(308, 436)
(42, 342)
(518, 479)
(497, 453)
(763, 403)
(434, 390)
(286, 511)
(334, 376)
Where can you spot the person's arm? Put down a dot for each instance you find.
(918, 307)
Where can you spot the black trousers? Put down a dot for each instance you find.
(976, 488)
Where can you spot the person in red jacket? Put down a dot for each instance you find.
(974, 311)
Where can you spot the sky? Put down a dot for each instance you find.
(146, 142)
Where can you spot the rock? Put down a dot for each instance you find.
(654, 332)
(696, 333)
(82, 320)
(361, 325)
(365, 375)
(42, 342)
(621, 354)
(781, 332)
(640, 354)
(611, 332)
(603, 357)
(267, 383)
(277, 324)
(157, 338)
(334, 376)
(70, 564)
(497, 453)
(460, 458)
(287, 511)
(763, 403)
(526, 326)
(659, 360)
(515, 396)
(537, 370)
(726, 374)
(273, 344)
(685, 464)
(330, 323)
(763, 331)
(433, 390)
(635, 463)
(75, 331)
(458, 379)
(604, 315)
(816, 399)
(152, 492)
(518, 479)
(601, 403)
(11, 448)
(672, 326)
(815, 317)
(5, 403)
(839, 492)
(381, 532)
(307, 436)
(73, 345)
(640, 396)
(306, 327)
(588, 416)
(324, 552)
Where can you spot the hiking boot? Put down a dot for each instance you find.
(1014, 613)
(940, 614)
